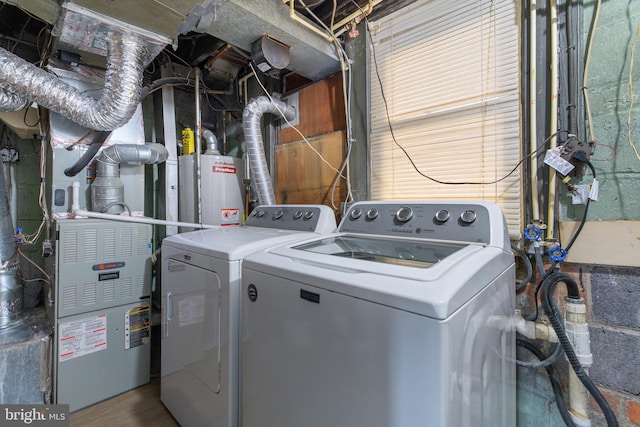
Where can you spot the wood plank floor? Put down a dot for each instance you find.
(135, 408)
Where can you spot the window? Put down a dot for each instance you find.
(449, 71)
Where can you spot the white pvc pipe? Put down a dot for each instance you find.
(578, 333)
(579, 401)
(553, 42)
(13, 200)
(139, 219)
(198, 143)
(533, 135)
(76, 211)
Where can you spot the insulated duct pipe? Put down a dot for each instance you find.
(212, 142)
(11, 102)
(107, 189)
(251, 116)
(11, 301)
(20, 80)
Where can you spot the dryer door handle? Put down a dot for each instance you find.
(169, 315)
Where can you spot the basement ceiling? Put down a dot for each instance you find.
(229, 26)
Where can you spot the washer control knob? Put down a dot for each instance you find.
(442, 215)
(308, 215)
(254, 212)
(279, 213)
(356, 213)
(404, 214)
(468, 216)
(297, 215)
(261, 214)
(372, 213)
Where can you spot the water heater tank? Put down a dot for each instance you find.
(220, 190)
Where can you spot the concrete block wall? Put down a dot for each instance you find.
(612, 295)
(614, 324)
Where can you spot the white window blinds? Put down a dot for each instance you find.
(449, 71)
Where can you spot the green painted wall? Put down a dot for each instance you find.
(617, 166)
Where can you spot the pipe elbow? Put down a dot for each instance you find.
(212, 142)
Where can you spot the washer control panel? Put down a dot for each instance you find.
(315, 218)
(453, 221)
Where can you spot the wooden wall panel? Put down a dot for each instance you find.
(302, 177)
(321, 108)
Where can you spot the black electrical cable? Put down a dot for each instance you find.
(582, 157)
(147, 89)
(549, 306)
(96, 142)
(553, 379)
(550, 360)
(571, 70)
(415, 167)
(527, 263)
(24, 118)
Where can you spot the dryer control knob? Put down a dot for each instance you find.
(254, 212)
(442, 215)
(468, 216)
(279, 213)
(297, 215)
(372, 213)
(261, 214)
(404, 214)
(356, 213)
(308, 215)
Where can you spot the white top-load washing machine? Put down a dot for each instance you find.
(200, 308)
(401, 319)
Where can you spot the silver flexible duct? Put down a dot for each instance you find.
(11, 102)
(251, 117)
(119, 100)
(212, 142)
(11, 300)
(107, 189)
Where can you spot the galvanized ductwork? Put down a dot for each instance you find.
(21, 82)
(212, 142)
(11, 300)
(107, 189)
(251, 117)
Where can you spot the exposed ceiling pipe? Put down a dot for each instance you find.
(127, 54)
(251, 117)
(107, 189)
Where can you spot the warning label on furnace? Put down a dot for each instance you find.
(136, 327)
(80, 337)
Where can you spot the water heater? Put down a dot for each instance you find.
(220, 189)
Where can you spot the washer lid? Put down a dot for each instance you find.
(408, 253)
(441, 277)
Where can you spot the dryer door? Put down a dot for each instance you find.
(190, 338)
